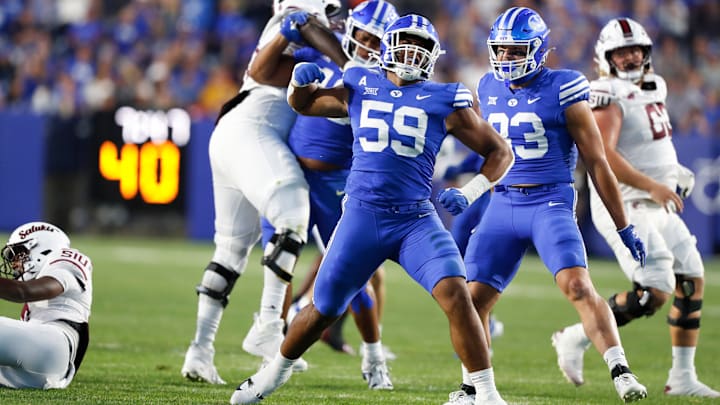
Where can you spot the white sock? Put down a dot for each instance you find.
(614, 356)
(373, 352)
(273, 297)
(209, 314)
(683, 358)
(465, 375)
(274, 374)
(484, 382)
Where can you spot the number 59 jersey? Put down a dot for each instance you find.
(532, 120)
(645, 139)
(397, 133)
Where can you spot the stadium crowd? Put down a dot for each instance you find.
(72, 57)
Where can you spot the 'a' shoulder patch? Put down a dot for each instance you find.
(363, 81)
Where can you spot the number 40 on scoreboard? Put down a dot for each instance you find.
(148, 161)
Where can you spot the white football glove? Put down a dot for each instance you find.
(686, 181)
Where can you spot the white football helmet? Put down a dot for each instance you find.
(620, 33)
(29, 246)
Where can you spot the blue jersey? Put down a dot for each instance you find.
(532, 119)
(397, 134)
(324, 139)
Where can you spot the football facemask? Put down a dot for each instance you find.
(410, 47)
(621, 33)
(371, 16)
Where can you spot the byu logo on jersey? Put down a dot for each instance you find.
(396, 93)
(512, 102)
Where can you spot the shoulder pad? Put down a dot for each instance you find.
(602, 93)
(70, 258)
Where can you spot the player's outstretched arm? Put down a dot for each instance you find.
(307, 98)
(609, 121)
(270, 66)
(38, 289)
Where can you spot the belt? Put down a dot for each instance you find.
(393, 208)
(527, 189)
(232, 103)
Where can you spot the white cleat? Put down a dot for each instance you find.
(259, 386)
(687, 384)
(628, 387)
(264, 338)
(460, 398)
(570, 353)
(497, 328)
(198, 365)
(377, 376)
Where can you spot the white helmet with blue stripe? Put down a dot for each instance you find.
(518, 26)
(371, 16)
(408, 60)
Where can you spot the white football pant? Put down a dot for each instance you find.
(33, 355)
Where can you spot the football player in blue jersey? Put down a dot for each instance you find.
(399, 119)
(544, 114)
(323, 147)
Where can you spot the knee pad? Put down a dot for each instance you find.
(281, 254)
(635, 306)
(217, 282)
(361, 300)
(686, 305)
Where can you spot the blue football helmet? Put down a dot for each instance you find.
(409, 61)
(518, 26)
(371, 16)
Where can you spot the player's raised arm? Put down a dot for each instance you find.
(322, 38)
(306, 97)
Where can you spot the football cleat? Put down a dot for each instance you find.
(570, 355)
(264, 338)
(377, 375)
(627, 385)
(460, 398)
(260, 385)
(687, 384)
(198, 365)
(246, 393)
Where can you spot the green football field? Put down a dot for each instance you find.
(144, 318)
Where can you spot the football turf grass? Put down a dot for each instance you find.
(144, 318)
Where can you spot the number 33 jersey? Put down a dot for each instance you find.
(645, 139)
(397, 133)
(532, 120)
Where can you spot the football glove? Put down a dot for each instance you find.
(305, 73)
(686, 181)
(290, 26)
(633, 242)
(453, 200)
